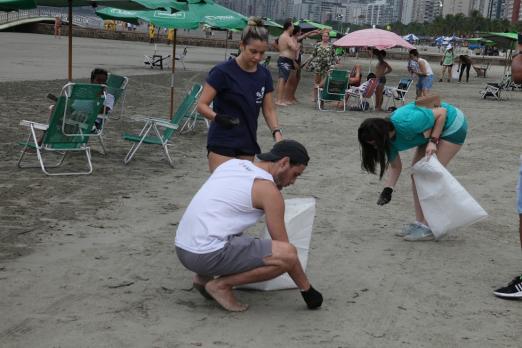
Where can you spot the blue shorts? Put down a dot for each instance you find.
(425, 82)
(519, 193)
(284, 65)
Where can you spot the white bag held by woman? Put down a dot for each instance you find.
(299, 220)
(445, 203)
(455, 72)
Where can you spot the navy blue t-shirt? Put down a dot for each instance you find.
(239, 94)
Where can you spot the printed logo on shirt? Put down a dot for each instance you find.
(260, 95)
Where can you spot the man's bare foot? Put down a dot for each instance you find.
(224, 296)
(198, 282)
(281, 104)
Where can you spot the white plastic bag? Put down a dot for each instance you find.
(455, 72)
(445, 203)
(299, 220)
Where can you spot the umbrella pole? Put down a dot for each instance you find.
(226, 44)
(69, 63)
(171, 109)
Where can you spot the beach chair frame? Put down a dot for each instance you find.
(360, 97)
(334, 89)
(68, 129)
(499, 91)
(162, 129)
(193, 117)
(398, 93)
(116, 85)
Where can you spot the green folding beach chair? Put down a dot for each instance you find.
(69, 127)
(117, 86)
(334, 89)
(185, 109)
(192, 118)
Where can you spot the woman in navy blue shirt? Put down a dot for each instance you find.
(238, 89)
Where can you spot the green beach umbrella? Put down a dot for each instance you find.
(122, 4)
(274, 28)
(506, 41)
(199, 12)
(202, 12)
(12, 5)
(110, 13)
(502, 40)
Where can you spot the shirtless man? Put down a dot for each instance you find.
(381, 70)
(288, 48)
(295, 75)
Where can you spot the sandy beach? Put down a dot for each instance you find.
(88, 261)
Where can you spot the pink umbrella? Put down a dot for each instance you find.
(378, 38)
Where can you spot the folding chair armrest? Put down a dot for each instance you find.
(159, 121)
(164, 123)
(35, 125)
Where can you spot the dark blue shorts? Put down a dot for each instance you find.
(284, 65)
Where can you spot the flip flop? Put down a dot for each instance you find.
(202, 291)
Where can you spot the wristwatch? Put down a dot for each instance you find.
(275, 130)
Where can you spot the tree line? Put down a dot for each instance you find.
(459, 24)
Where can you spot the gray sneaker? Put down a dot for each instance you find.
(406, 230)
(419, 233)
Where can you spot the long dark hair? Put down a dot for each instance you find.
(377, 131)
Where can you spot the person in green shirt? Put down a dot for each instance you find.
(447, 61)
(440, 130)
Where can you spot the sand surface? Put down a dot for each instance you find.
(87, 261)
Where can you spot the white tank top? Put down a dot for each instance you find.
(427, 65)
(221, 208)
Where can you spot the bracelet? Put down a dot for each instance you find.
(435, 140)
(275, 130)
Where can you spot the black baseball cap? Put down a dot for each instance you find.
(287, 148)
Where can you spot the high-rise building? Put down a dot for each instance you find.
(407, 11)
(512, 11)
(456, 6)
(426, 10)
(496, 9)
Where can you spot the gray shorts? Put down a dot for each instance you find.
(240, 254)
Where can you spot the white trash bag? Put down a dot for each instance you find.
(445, 203)
(455, 72)
(299, 220)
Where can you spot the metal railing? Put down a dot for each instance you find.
(82, 21)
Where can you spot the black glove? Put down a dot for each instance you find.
(226, 121)
(385, 196)
(313, 298)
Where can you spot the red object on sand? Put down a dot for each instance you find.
(378, 38)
